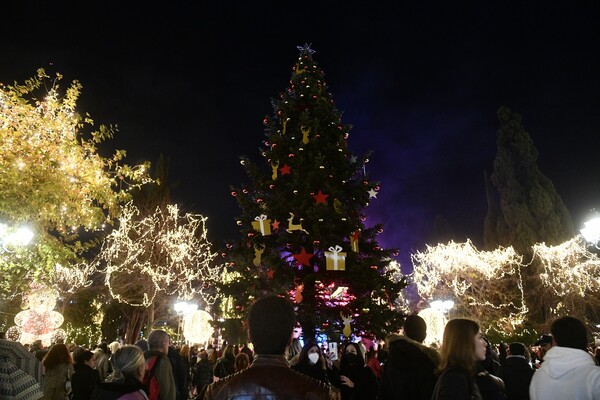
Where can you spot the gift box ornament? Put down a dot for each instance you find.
(335, 259)
(262, 224)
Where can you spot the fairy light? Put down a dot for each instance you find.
(40, 321)
(570, 269)
(477, 280)
(162, 252)
(197, 327)
(72, 278)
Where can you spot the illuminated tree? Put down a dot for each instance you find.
(53, 177)
(484, 285)
(303, 220)
(147, 258)
(530, 211)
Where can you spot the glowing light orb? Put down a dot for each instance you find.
(197, 327)
(436, 322)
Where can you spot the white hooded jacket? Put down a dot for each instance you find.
(566, 373)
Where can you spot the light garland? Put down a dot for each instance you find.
(487, 285)
(40, 321)
(162, 252)
(197, 327)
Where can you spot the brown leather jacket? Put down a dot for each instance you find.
(269, 377)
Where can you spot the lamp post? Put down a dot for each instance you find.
(591, 232)
(11, 238)
(182, 308)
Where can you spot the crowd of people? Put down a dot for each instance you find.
(559, 365)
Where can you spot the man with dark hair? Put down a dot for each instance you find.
(159, 367)
(409, 370)
(516, 372)
(568, 371)
(271, 322)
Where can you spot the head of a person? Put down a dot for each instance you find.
(569, 332)
(463, 345)
(229, 352)
(295, 348)
(311, 354)
(159, 340)
(142, 344)
(517, 349)
(271, 322)
(36, 345)
(415, 328)
(352, 356)
(58, 354)
(127, 361)
(543, 344)
(85, 357)
(113, 346)
(241, 362)
(185, 351)
(203, 355)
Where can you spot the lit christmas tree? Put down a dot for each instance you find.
(303, 222)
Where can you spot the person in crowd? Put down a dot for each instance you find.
(502, 352)
(185, 353)
(356, 380)
(213, 356)
(373, 363)
(410, 369)
(158, 343)
(542, 345)
(203, 372)
(224, 365)
(597, 355)
(241, 362)
(294, 351)
(568, 370)
(489, 384)
(312, 362)
(142, 344)
(125, 381)
(245, 349)
(180, 373)
(516, 372)
(462, 346)
(38, 350)
(58, 368)
(102, 360)
(271, 321)
(86, 377)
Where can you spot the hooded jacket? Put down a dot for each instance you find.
(566, 373)
(409, 370)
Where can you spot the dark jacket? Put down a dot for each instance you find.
(315, 371)
(454, 383)
(203, 374)
(224, 366)
(269, 376)
(516, 374)
(112, 390)
(409, 370)
(84, 381)
(365, 387)
(490, 386)
(180, 373)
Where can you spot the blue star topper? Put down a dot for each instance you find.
(306, 48)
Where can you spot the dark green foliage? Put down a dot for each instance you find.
(530, 209)
(306, 134)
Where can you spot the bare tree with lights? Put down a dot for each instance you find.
(53, 178)
(303, 223)
(148, 258)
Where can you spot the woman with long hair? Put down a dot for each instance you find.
(58, 368)
(125, 382)
(463, 346)
(241, 362)
(86, 377)
(224, 365)
(356, 380)
(313, 363)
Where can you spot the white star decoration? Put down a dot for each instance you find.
(372, 194)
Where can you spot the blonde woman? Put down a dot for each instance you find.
(125, 382)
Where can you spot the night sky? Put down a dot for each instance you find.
(420, 83)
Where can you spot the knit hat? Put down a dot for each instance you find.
(415, 328)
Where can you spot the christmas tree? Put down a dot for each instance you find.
(303, 222)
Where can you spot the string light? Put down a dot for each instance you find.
(162, 252)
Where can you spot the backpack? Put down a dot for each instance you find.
(150, 384)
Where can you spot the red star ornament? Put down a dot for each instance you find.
(275, 225)
(285, 170)
(321, 197)
(270, 273)
(303, 258)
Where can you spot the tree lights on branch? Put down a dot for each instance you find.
(11, 238)
(162, 252)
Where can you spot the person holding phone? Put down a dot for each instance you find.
(356, 380)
